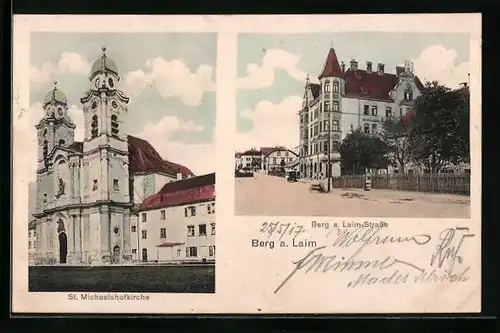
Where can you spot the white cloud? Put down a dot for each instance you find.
(76, 115)
(272, 124)
(199, 158)
(68, 63)
(263, 76)
(172, 78)
(438, 63)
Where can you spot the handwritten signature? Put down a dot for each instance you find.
(446, 254)
(325, 264)
(446, 251)
(366, 236)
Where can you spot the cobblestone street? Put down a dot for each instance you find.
(274, 196)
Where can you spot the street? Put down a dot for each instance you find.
(274, 196)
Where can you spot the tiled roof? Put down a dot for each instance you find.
(369, 84)
(252, 152)
(332, 67)
(76, 146)
(144, 158)
(183, 192)
(314, 89)
(237, 154)
(183, 170)
(268, 150)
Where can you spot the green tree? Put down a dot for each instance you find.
(439, 129)
(360, 151)
(395, 136)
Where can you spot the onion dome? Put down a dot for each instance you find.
(55, 96)
(104, 64)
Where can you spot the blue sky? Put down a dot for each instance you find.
(281, 61)
(170, 78)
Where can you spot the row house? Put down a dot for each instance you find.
(265, 159)
(177, 224)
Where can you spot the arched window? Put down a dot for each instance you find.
(115, 126)
(94, 127)
(61, 142)
(45, 148)
(408, 93)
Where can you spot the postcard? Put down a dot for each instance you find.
(335, 162)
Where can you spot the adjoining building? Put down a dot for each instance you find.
(250, 159)
(266, 158)
(177, 224)
(276, 158)
(348, 99)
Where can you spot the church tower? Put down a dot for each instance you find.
(105, 165)
(55, 128)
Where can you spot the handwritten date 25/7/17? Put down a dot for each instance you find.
(282, 229)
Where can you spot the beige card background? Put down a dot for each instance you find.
(246, 277)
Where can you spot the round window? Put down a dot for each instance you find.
(114, 104)
(116, 230)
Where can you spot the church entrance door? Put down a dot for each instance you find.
(116, 255)
(63, 247)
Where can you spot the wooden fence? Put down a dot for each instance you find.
(437, 183)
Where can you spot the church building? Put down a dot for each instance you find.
(88, 193)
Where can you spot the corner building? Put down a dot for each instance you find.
(85, 190)
(345, 100)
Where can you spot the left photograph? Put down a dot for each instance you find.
(119, 141)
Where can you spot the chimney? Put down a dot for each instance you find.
(380, 69)
(342, 65)
(179, 176)
(369, 66)
(354, 65)
(399, 70)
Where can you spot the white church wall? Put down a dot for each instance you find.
(161, 180)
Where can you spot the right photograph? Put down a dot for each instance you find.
(371, 124)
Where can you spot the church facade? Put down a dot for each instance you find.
(88, 193)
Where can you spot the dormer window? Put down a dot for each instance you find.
(408, 94)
